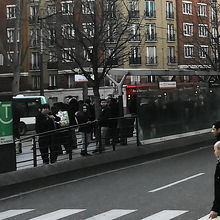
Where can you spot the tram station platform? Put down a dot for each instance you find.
(146, 152)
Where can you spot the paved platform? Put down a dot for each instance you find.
(122, 153)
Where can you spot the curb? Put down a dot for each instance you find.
(121, 153)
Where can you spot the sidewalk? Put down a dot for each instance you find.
(121, 153)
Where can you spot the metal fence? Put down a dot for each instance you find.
(76, 141)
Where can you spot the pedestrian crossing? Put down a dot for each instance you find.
(108, 215)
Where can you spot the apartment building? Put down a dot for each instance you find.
(194, 33)
(8, 47)
(162, 36)
(157, 34)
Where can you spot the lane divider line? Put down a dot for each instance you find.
(177, 182)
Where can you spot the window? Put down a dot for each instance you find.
(34, 9)
(88, 29)
(110, 9)
(169, 10)
(52, 60)
(71, 80)
(203, 30)
(202, 11)
(134, 9)
(52, 36)
(171, 59)
(134, 32)
(11, 11)
(203, 51)
(11, 35)
(67, 54)
(35, 61)
(36, 82)
(213, 15)
(111, 33)
(150, 9)
(187, 7)
(68, 31)
(111, 57)
(88, 7)
(67, 7)
(52, 80)
(187, 29)
(170, 32)
(87, 55)
(151, 32)
(1, 59)
(51, 9)
(10, 56)
(188, 51)
(52, 57)
(135, 55)
(35, 38)
(151, 56)
(214, 35)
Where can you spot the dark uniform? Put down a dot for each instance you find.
(45, 123)
(216, 203)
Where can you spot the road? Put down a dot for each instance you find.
(176, 187)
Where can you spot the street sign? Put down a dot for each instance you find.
(167, 85)
(6, 126)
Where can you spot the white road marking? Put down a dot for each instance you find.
(177, 182)
(58, 214)
(13, 212)
(112, 214)
(99, 174)
(205, 217)
(165, 215)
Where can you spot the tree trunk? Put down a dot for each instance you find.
(96, 101)
(16, 82)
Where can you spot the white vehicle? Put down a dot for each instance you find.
(28, 108)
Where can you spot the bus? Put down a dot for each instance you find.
(28, 109)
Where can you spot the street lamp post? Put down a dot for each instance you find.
(41, 58)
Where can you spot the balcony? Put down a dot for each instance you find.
(52, 65)
(135, 60)
(151, 60)
(34, 66)
(150, 14)
(134, 14)
(170, 15)
(151, 37)
(171, 37)
(171, 60)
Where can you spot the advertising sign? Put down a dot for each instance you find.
(6, 126)
(167, 85)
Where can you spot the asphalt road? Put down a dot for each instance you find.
(176, 187)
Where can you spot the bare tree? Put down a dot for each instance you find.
(93, 36)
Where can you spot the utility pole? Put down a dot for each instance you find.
(41, 58)
(120, 93)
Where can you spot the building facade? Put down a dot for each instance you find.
(164, 34)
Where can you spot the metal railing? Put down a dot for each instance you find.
(76, 141)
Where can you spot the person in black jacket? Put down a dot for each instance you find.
(215, 210)
(44, 123)
(216, 130)
(83, 117)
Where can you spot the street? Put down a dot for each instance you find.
(176, 187)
